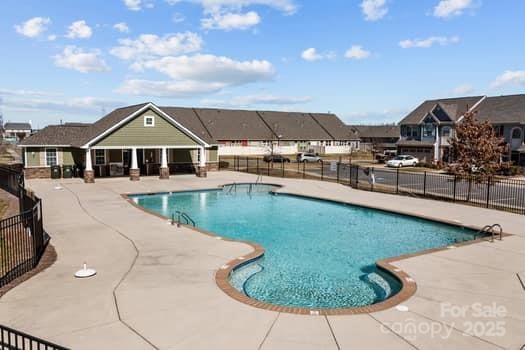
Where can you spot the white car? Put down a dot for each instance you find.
(401, 161)
(308, 157)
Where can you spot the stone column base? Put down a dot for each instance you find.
(134, 174)
(202, 171)
(164, 173)
(89, 176)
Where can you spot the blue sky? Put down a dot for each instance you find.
(369, 61)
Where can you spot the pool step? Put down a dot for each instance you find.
(241, 275)
(379, 284)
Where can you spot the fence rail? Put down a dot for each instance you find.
(22, 237)
(495, 193)
(11, 339)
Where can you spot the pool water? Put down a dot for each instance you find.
(318, 254)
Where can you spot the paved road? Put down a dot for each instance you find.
(506, 193)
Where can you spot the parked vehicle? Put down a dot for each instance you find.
(308, 157)
(402, 160)
(385, 156)
(276, 158)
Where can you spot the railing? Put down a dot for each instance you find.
(11, 339)
(495, 193)
(22, 237)
(182, 215)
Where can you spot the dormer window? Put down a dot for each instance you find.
(149, 121)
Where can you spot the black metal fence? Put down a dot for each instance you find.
(11, 339)
(22, 237)
(495, 193)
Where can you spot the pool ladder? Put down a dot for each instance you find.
(259, 180)
(490, 229)
(182, 215)
(232, 187)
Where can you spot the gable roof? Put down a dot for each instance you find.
(294, 126)
(57, 135)
(335, 126)
(377, 131)
(206, 125)
(17, 126)
(228, 124)
(502, 109)
(454, 107)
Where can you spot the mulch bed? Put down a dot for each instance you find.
(46, 261)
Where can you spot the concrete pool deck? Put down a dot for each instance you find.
(155, 286)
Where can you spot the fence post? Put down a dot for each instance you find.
(338, 166)
(488, 191)
(247, 165)
(357, 176)
(397, 180)
(454, 195)
(424, 184)
(322, 170)
(257, 165)
(372, 178)
(269, 167)
(304, 170)
(282, 167)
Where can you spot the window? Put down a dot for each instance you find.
(149, 121)
(516, 133)
(100, 157)
(446, 131)
(428, 130)
(498, 130)
(51, 157)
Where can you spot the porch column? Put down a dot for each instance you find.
(201, 170)
(134, 171)
(437, 146)
(89, 174)
(164, 170)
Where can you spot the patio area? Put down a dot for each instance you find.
(155, 287)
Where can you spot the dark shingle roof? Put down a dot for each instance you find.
(228, 124)
(294, 126)
(17, 126)
(57, 135)
(335, 126)
(454, 107)
(189, 119)
(377, 131)
(502, 109)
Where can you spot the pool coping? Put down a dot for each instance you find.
(408, 284)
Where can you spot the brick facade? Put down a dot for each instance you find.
(37, 173)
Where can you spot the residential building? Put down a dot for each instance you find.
(14, 132)
(146, 139)
(378, 138)
(426, 131)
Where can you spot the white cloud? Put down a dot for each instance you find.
(311, 54)
(270, 100)
(197, 74)
(167, 88)
(151, 45)
(39, 101)
(374, 9)
(450, 8)
(33, 27)
(428, 42)
(51, 37)
(80, 60)
(133, 5)
(121, 27)
(230, 21)
(80, 30)
(219, 6)
(509, 78)
(357, 52)
(178, 17)
(463, 89)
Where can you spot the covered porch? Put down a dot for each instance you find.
(137, 161)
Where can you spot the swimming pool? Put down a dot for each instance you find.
(318, 254)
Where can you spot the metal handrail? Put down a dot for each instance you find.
(490, 229)
(183, 215)
(259, 179)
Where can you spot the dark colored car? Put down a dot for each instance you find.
(276, 158)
